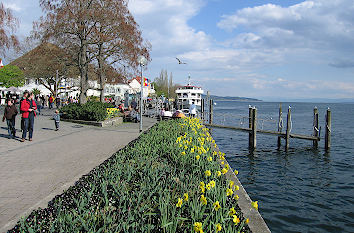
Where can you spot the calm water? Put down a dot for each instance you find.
(303, 190)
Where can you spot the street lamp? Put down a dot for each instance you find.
(142, 62)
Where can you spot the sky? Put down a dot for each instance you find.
(270, 50)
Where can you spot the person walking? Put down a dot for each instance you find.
(57, 101)
(28, 108)
(51, 100)
(39, 105)
(10, 113)
(193, 110)
(56, 118)
(24, 97)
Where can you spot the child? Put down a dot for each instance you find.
(10, 113)
(56, 118)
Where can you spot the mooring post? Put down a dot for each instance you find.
(328, 130)
(250, 112)
(211, 102)
(254, 128)
(202, 110)
(280, 125)
(288, 129)
(315, 127)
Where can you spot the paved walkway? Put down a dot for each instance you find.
(32, 173)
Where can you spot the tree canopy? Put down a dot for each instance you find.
(11, 76)
(100, 32)
(164, 85)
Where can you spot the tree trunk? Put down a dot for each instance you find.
(101, 72)
(83, 66)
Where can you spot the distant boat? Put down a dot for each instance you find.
(188, 94)
(214, 103)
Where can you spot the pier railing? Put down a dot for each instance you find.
(252, 125)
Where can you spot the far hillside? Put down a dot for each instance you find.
(230, 98)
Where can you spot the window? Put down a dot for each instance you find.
(27, 81)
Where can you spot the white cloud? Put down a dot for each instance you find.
(164, 24)
(317, 24)
(13, 6)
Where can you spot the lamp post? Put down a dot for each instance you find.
(142, 62)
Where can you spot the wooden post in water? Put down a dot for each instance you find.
(211, 102)
(315, 127)
(328, 130)
(254, 128)
(280, 125)
(202, 110)
(250, 112)
(288, 129)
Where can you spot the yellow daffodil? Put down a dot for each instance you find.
(236, 172)
(192, 150)
(223, 171)
(180, 145)
(183, 153)
(229, 192)
(237, 187)
(227, 166)
(236, 197)
(222, 158)
(232, 211)
(231, 183)
(218, 227)
(236, 220)
(215, 153)
(212, 183)
(203, 200)
(185, 147)
(197, 157)
(247, 220)
(208, 186)
(202, 188)
(210, 159)
(222, 162)
(179, 203)
(198, 227)
(255, 204)
(185, 196)
(207, 173)
(218, 173)
(216, 205)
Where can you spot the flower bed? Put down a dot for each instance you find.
(169, 180)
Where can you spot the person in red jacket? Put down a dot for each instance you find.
(28, 107)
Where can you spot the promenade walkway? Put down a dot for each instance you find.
(32, 173)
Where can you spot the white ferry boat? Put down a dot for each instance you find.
(188, 94)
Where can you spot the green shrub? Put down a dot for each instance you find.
(91, 111)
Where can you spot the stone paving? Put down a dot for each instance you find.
(32, 173)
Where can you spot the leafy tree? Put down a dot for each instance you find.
(11, 76)
(42, 63)
(70, 23)
(8, 24)
(117, 39)
(164, 85)
(36, 91)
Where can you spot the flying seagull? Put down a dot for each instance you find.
(179, 62)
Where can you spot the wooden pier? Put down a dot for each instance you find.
(287, 135)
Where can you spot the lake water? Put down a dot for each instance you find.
(302, 190)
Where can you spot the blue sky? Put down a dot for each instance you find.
(254, 48)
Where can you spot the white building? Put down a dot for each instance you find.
(135, 84)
